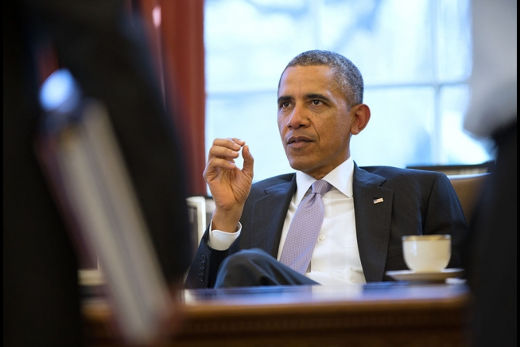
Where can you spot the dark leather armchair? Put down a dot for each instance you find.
(468, 189)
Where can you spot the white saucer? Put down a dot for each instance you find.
(412, 276)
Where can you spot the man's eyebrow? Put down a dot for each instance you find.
(284, 98)
(316, 96)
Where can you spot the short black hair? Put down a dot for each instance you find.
(348, 76)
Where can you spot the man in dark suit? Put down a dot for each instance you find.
(366, 211)
(106, 53)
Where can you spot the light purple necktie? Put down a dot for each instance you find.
(304, 229)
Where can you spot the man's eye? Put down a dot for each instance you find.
(316, 102)
(284, 104)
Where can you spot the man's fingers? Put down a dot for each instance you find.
(222, 155)
(238, 141)
(247, 167)
(226, 148)
(223, 152)
(231, 143)
(219, 163)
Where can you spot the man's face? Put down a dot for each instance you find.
(313, 119)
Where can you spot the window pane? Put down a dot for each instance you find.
(389, 41)
(400, 129)
(249, 44)
(454, 40)
(458, 147)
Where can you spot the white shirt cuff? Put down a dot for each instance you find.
(220, 240)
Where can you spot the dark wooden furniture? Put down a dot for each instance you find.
(380, 314)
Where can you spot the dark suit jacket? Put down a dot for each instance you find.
(415, 202)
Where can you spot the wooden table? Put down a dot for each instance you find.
(379, 314)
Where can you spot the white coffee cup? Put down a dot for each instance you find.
(427, 253)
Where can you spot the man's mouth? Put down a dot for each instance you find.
(298, 139)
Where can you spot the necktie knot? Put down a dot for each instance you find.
(321, 187)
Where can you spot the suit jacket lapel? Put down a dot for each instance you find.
(270, 211)
(373, 207)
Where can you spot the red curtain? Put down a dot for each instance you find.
(177, 40)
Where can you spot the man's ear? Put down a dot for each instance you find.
(360, 118)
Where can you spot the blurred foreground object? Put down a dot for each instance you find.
(106, 52)
(492, 245)
(87, 174)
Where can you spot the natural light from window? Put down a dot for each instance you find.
(415, 57)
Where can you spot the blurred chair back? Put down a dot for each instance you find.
(200, 211)
(468, 189)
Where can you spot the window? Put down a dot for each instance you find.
(415, 57)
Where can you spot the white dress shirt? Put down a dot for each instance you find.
(335, 259)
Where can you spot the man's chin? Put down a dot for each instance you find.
(300, 164)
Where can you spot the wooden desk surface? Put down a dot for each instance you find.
(380, 314)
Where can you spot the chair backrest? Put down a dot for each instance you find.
(468, 189)
(200, 210)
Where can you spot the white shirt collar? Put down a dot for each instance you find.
(340, 178)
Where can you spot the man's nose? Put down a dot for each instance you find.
(298, 117)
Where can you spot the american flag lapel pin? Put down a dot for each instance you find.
(378, 200)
